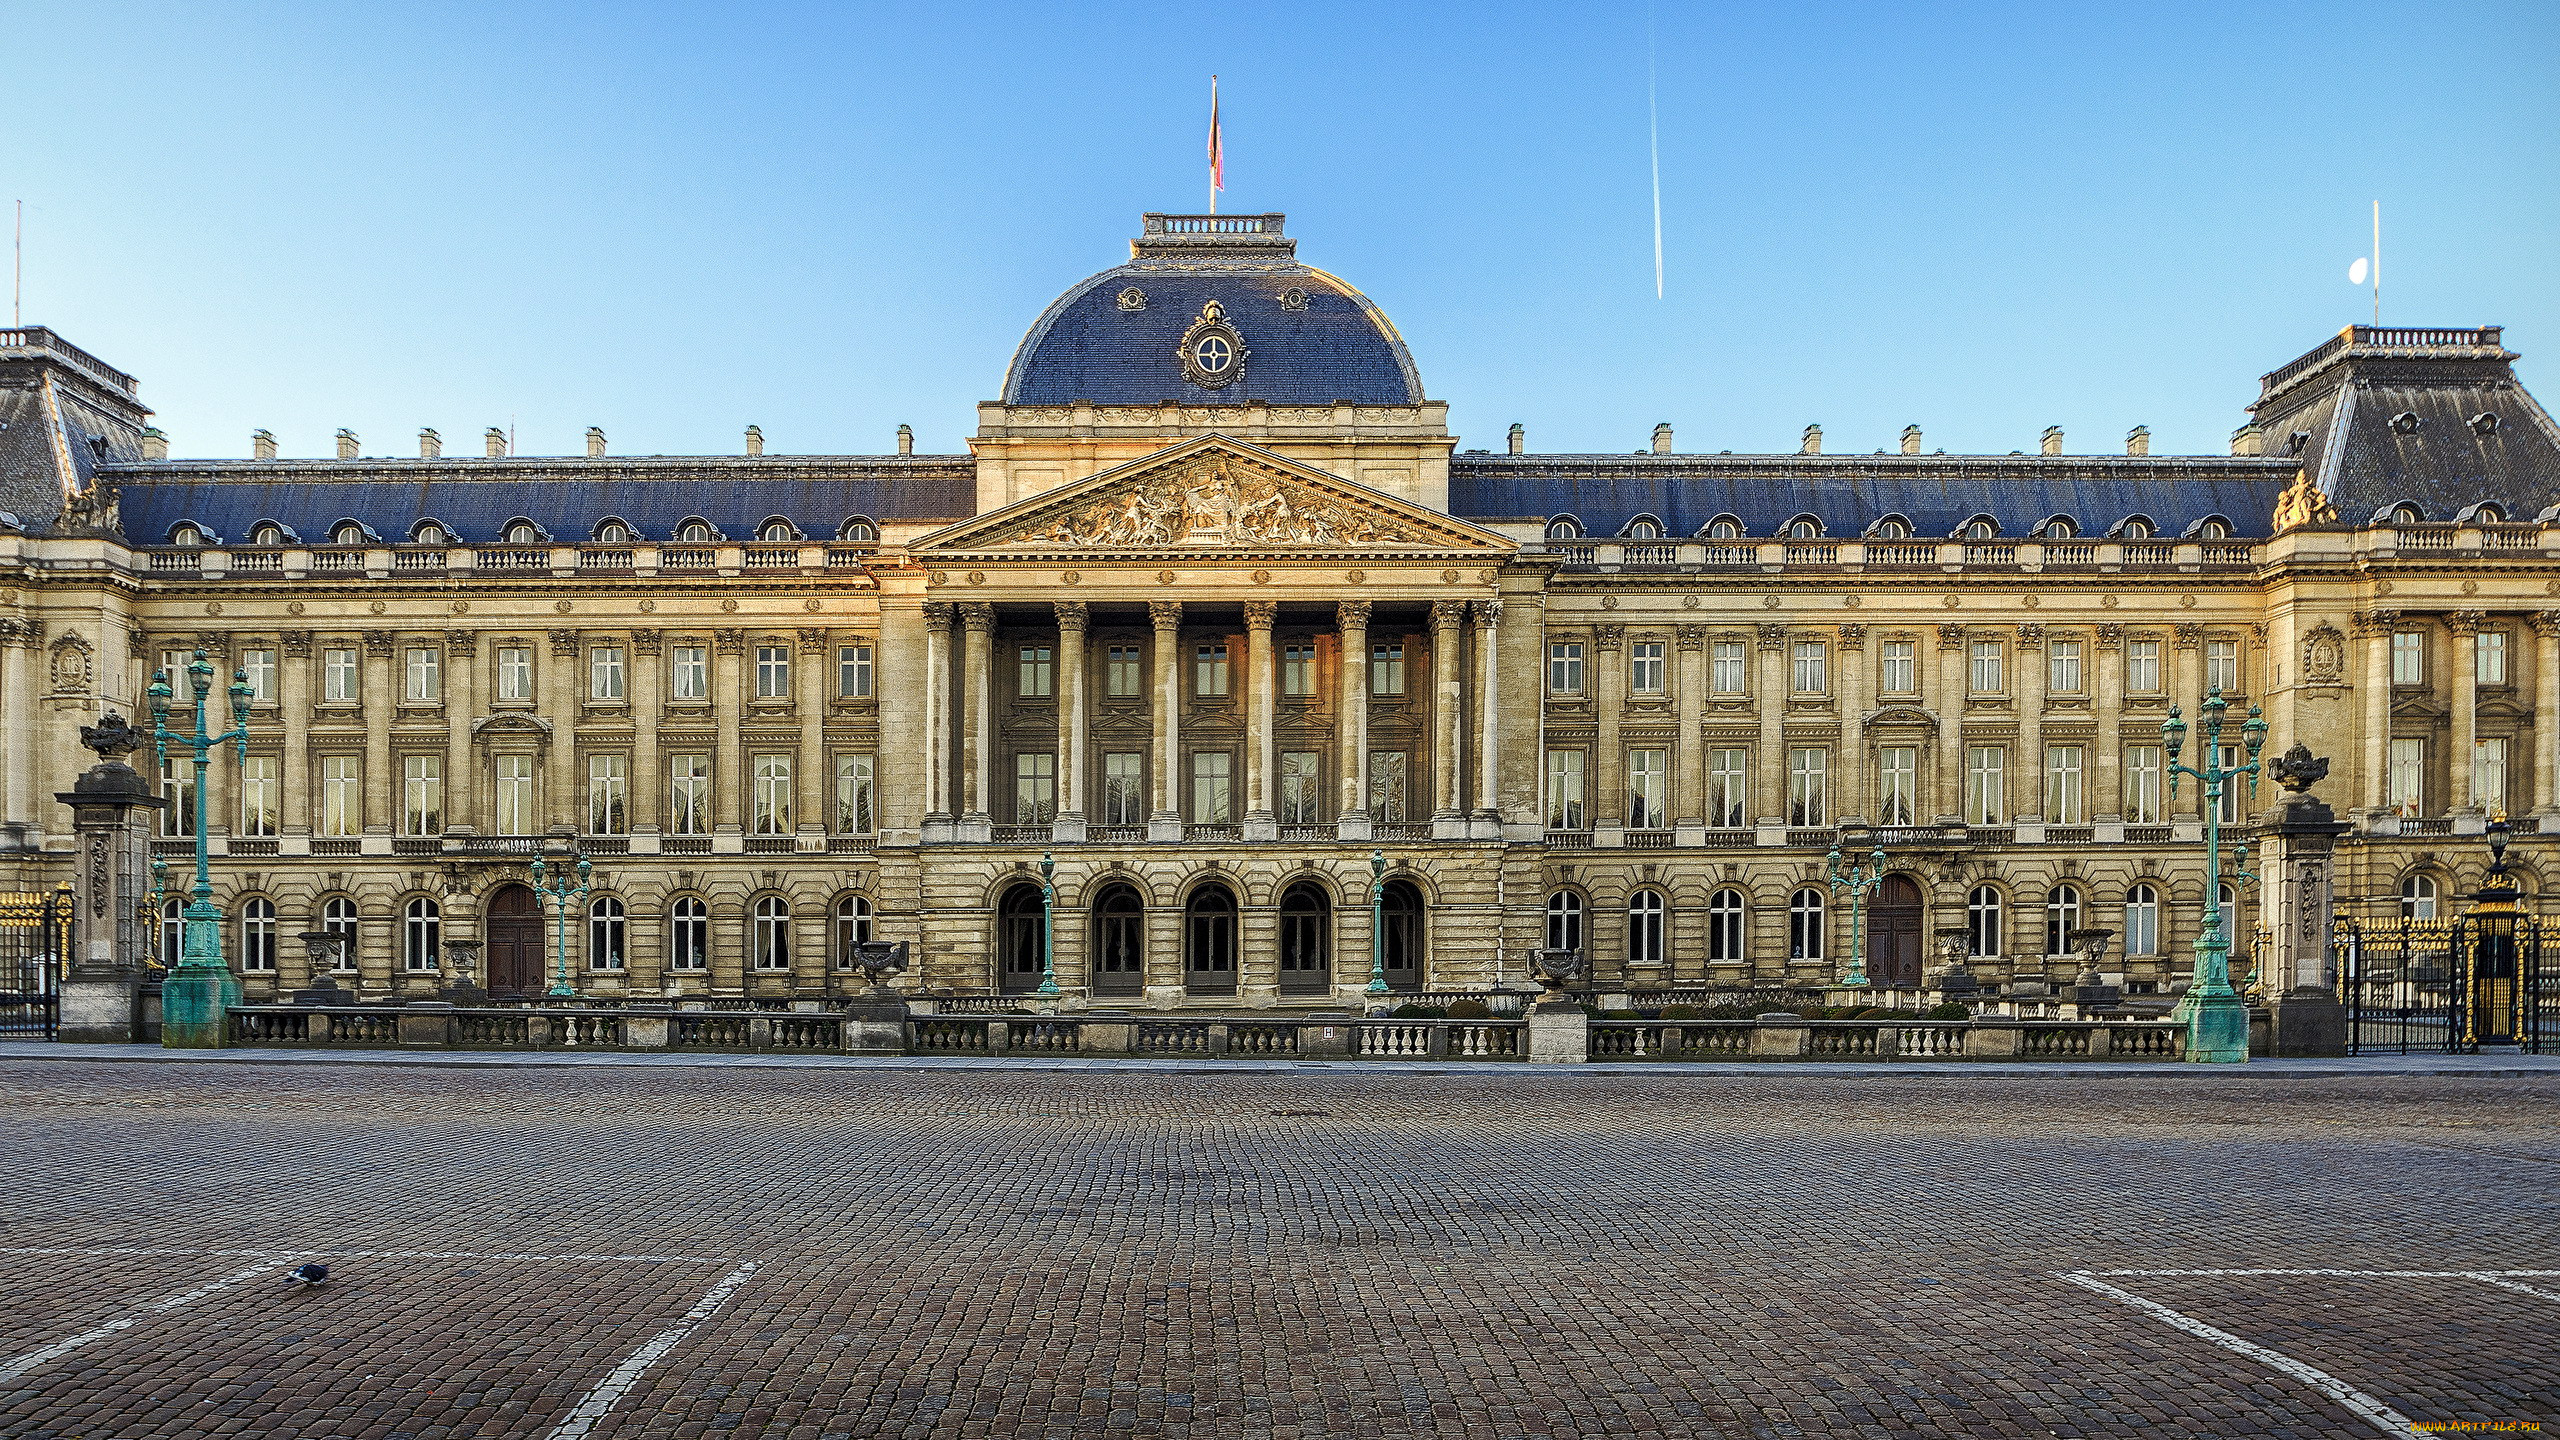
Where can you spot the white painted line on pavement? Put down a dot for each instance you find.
(2351, 1274)
(65, 1346)
(2382, 1417)
(2490, 1277)
(601, 1400)
(325, 1252)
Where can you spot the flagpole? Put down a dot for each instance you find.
(1215, 140)
(2377, 263)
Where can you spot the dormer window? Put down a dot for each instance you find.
(775, 532)
(1979, 530)
(347, 534)
(695, 533)
(2484, 424)
(1725, 530)
(1563, 529)
(2059, 528)
(523, 533)
(861, 532)
(187, 535)
(2405, 423)
(613, 532)
(431, 534)
(2136, 530)
(1892, 530)
(2213, 530)
(2407, 515)
(1804, 530)
(1644, 530)
(267, 535)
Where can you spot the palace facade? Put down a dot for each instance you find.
(1217, 627)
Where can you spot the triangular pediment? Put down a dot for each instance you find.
(1213, 494)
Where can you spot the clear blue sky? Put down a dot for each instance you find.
(673, 220)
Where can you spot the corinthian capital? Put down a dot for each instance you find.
(1166, 614)
(1074, 616)
(1261, 614)
(1352, 614)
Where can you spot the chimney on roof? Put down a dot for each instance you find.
(2249, 440)
(346, 444)
(493, 443)
(1910, 439)
(430, 444)
(906, 440)
(262, 444)
(2052, 440)
(2137, 441)
(755, 439)
(1662, 438)
(595, 443)
(1812, 441)
(155, 446)
(1519, 438)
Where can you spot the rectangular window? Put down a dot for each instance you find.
(773, 672)
(1990, 668)
(1209, 670)
(2065, 778)
(2489, 774)
(422, 795)
(2227, 757)
(1808, 787)
(1644, 667)
(1901, 674)
(515, 672)
(2062, 667)
(1298, 670)
(2409, 657)
(2408, 793)
(689, 794)
(2488, 650)
(772, 795)
(1036, 673)
(689, 673)
(260, 667)
(1812, 667)
(1212, 788)
(338, 680)
(2142, 667)
(605, 673)
(853, 672)
(426, 681)
(2222, 666)
(1124, 672)
(1897, 785)
(1986, 787)
(1124, 788)
(1728, 669)
(1386, 669)
(1301, 787)
(1564, 668)
(1035, 789)
(1388, 782)
(341, 795)
(608, 795)
(2142, 784)
(258, 796)
(1564, 791)
(1727, 768)
(854, 814)
(1647, 777)
(515, 795)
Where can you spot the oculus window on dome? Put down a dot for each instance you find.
(1213, 350)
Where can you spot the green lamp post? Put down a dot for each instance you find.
(563, 892)
(1855, 878)
(2216, 1019)
(1377, 922)
(1048, 987)
(196, 999)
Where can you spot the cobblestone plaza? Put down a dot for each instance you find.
(816, 1253)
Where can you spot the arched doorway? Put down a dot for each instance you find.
(1306, 940)
(1119, 942)
(1404, 936)
(1209, 941)
(1893, 934)
(1018, 940)
(511, 931)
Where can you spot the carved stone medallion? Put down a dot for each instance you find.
(1213, 351)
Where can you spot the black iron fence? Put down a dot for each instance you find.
(2450, 986)
(35, 948)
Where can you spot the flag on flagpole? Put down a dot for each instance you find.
(1217, 150)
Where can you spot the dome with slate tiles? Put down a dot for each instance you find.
(1213, 310)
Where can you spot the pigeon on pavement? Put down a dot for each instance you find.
(309, 1275)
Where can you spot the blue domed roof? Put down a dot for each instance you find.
(1309, 338)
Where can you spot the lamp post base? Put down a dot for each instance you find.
(195, 1007)
(2217, 1028)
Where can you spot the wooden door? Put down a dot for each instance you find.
(514, 942)
(1893, 934)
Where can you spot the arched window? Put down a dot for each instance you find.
(1564, 527)
(694, 532)
(2418, 898)
(2227, 900)
(1306, 939)
(267, 535)
(258, 933)
(2060, 527)
(1895, 529)
(2136, 530)
(421, 931)
(1982, 922)
(2061, 917)
(608, 930)
(2407, 515)
(688, 934)
(1404, 935)
(173, 932)
(1725, 530)
(1209, 940)
(523, 533)
(431, 533)
(613, 532)
(2213, 530)
(2489, 515)
(1564, 921)
(2142, 921)
(852, 929)
(776, 531)
(1644, 928)
(1804, 925)
(1119, 942)
(1980, 530)
(338, 917)
(347, 534)
(1804, 530)
(772, 938)
(1643, 530)
(187, 535)
(1724, 926)
(859, 531)
(1018, 940)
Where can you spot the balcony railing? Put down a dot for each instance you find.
(517, 557)
(500, 844)
(2001, 553)
(245, 562)
(1306, 834)
(684, 845)
(2228, 552)
(2147, 834)
(1115, 834)
(1894, 553)
(849, 844)
(1818, 552)
(1728, 555)
(1658, 555)
(418, 560)
(688, 559)
(771, 844)
(337, 560)
(773, 557)
(2069, 834)
(615, 559)
(1568, 839)
(843, 559)
(336, 847)
(1646, 839)
(2075, 552)
(177, 560)
(1022, 834)
(2159, 552)
(1399, 831)
(2513, 537)
(1575, 554)
(417, 844)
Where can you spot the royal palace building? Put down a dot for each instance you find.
(1218, 628)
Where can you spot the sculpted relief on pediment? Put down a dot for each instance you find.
(1219, 502)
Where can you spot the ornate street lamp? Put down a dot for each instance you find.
(196, 999)
(2488, 1014)
(1048, 988)
(562, 893)
(1855, 878)
(2217, 1022)
(1377, 922)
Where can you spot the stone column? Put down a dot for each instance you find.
(2376, 627)
(17, 767)
(648, 652)
(2106, 768)
(2465, 625)
(2029, 687)
(2186, 687)
(729, 777)
(1606, 784)
(1950, 707)
(1448, 714)
(111, 805)
(293, 713)
(381, 698)
(977, 711)
(1689, 755)
(2296, 901)
(1074, 620)
(937, 719)
(810, 683)
(461, 781)
(2546, 711)
(1849, 760)
(1485, 823)
(1353, 617)
(1261, 740)
(1166, 822)
(562, 689)
(1769, 763)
